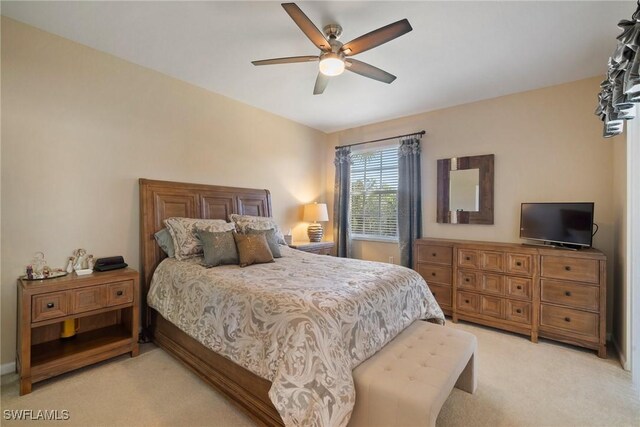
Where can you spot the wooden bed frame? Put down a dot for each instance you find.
(163, 199)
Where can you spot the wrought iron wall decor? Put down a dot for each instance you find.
(620, 91)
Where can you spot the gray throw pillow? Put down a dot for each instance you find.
(219, 248)
(163, 237)
(272, 240)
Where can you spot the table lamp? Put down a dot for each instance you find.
(313, 213)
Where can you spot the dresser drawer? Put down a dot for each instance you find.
(49, 306)
(492, 284)
(120, 293)
(468, 258)
(573, 321)
(468, 302)
(469, 279)
(519, 264)
(436, 274)
(518, 311)
(577, 269)
(571, 294)
(435, 254)
(442, 294)
(87, 299)
(519, 287)
(492, 306)
(492, 261)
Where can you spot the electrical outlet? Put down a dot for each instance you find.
(390, 260)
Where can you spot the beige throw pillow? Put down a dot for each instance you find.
(252, 249)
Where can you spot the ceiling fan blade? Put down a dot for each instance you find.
(307, 27)
(376, 37)
(367, 70)
(287, 60)
(321, 83)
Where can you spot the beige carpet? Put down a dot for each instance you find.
(520, 384)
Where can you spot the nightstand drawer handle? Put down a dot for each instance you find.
(433, 274)
(433, 254)
(518, 310)
(518, 287)
(119, 293)
(466, 301)
(567, 293)
(568, 268)
(467, 279)
(50, 305)
(468, 258)
(519, 264)
(567, 319)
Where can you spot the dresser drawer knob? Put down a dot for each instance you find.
(467, 279)
(519, 264)
(568, 293)
(433, 254)
(568, 268)
(119, 293)
(518, 287)
(466, 301)
(518, 310)
(468, 258)
(50, 305)
(567, 319)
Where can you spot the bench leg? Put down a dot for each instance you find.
(467, 380)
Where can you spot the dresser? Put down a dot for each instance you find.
(535, 291)
(103, 309)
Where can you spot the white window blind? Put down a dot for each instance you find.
(374, 194)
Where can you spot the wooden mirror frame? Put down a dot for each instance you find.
(485, 214)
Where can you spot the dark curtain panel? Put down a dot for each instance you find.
(342, 188)
(409, 198)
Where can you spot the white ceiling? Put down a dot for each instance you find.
(458, 52)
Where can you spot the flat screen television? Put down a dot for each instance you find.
(561, 224)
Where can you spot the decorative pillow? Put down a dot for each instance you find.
(272, 240)
(183, 232)
(163, 237)
(257, 223)
(219, 248)
(252, 249)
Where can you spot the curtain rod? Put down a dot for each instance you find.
(422, 132)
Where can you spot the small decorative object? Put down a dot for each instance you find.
(69, 328)
(70, 265)
(90, 262)
(314, 213)
(79, 255)
(83, 271)
(38, 269)
(288, 238)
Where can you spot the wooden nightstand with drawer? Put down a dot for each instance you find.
(105, 307)
(320, 248)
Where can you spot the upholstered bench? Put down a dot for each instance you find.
(407, 382)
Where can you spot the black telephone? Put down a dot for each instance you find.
(110, 263)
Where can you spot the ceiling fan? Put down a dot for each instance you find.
(335, 57)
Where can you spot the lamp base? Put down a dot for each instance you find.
(315, 232)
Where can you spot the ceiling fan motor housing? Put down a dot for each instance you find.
(332, 31)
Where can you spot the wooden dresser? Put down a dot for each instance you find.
(536, 291)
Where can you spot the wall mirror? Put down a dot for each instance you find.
(465, 190)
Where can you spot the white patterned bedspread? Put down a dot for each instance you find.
(303, 322)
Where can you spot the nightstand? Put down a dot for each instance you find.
(320, 248)
(106, 306)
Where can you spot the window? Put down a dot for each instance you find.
(374, 194)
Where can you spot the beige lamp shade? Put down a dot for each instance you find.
(315, 212)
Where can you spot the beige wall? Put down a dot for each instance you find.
(547, 145)
(79, 127)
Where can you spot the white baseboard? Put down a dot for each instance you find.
(621, 356)
(8, 368)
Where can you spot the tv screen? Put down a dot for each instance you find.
(564, 223)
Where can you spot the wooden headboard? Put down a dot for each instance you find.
(164, 199)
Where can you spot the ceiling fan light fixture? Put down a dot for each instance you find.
(331, 64)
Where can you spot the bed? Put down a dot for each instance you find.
(270, 371)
